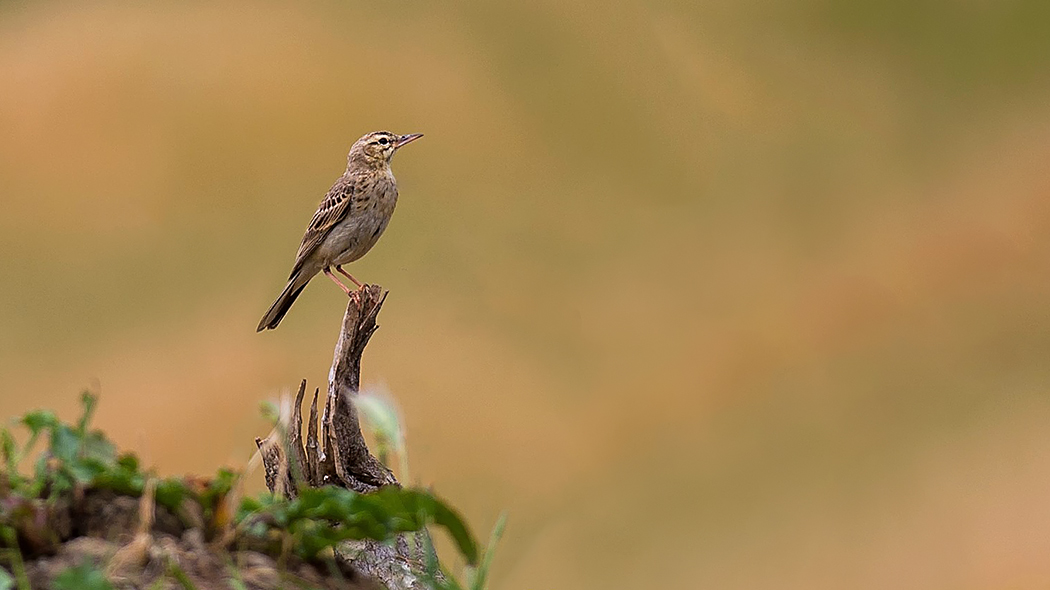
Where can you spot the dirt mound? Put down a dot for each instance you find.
(102, 537)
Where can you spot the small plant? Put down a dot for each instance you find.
(78, 460)
(321, 518)
(382, 417)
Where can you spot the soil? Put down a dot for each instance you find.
(104, 531)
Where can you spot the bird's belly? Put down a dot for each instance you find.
(353, 238)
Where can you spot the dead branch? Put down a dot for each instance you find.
(339, 455)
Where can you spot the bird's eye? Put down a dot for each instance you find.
(383, 140)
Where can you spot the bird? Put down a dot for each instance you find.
(348, 222)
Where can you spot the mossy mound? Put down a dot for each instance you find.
(88, 518)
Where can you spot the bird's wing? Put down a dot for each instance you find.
(333, 209)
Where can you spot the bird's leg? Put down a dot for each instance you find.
(339, 268)
(328, 273)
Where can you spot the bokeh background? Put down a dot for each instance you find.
(732, 294)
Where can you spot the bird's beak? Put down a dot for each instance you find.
(406, 139)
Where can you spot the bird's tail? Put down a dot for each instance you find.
(284, 302)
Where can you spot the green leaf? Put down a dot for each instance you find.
(447, 517)
(218, 488)
(86, 470)
(7, 581)
(128, 461)
(122, 481)
(223, 482)
(248, 507)
(60, 483)
(422, 502)
(322, 517)
(81, 577)
(65, 444)
(480, 575)
(40, 476)
(270, 411)
(10, 452)
(171, 493)
(39, 420)
(90, 402)
(96, 446)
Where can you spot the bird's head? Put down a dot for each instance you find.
(374, 150)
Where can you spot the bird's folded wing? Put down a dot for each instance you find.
(333, 209)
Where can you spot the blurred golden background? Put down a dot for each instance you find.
(742, 294)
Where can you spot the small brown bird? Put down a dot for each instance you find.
(348, 221)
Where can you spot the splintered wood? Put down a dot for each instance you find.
(338, 455)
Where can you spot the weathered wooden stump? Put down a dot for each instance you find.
(339, 455)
